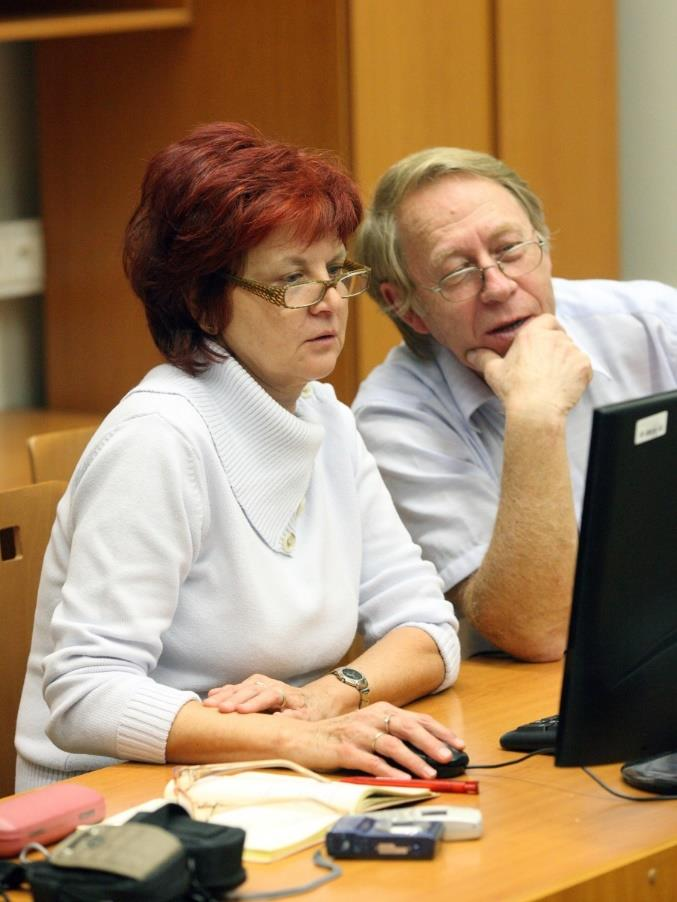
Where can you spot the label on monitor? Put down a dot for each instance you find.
(649, 428)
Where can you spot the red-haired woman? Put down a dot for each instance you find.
(225, 533)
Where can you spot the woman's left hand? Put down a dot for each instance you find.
(259, 693)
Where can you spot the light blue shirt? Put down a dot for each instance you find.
(436, 429)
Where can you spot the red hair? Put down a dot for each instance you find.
(206, 201)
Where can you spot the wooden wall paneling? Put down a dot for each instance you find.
(557, 122)
(421, 76)
(106, 104)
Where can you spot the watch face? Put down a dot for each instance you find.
(354, 678)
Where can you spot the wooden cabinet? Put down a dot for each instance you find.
(422, 75)
(108, 103)
(556, 111)
(39, 19)
(370, 79)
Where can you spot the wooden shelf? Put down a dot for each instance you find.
(101, 18)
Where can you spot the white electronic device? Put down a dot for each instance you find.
(458, 821)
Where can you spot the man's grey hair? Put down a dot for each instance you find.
(377, 243)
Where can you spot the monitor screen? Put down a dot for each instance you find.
(619, 693)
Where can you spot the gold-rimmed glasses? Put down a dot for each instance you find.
(351, 280)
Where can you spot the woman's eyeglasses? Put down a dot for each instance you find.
(351, 280)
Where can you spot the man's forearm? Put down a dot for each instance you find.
(520, 596)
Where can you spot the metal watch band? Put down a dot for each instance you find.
(352, 677)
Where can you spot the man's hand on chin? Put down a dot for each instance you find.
(542, 372)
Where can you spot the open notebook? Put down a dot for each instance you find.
(280, 813)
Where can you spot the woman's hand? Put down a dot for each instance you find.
(256, 694)
(360, 740)
(319, 700)
(363, 739)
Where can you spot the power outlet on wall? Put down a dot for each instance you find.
(22, 258)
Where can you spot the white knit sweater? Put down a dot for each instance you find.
(207, 534)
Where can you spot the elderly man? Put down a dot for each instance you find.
(480, 424)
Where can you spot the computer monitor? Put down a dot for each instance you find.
(619, 693)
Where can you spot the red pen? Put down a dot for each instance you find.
(471, 787)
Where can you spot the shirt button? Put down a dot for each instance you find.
(306, 391)
(289, 541)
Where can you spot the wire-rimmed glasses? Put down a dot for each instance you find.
(468, 281)
(351, 280)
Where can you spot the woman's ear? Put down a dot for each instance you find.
(202, 319)
(392, 296)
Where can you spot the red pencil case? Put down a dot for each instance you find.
(47, 814)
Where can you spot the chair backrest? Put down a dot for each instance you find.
(26, 518)
(53, 455)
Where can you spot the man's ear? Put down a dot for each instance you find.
(392, 295)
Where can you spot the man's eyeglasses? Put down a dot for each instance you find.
(349, 281)
(467, 282)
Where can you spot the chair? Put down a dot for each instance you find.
(53, 455)
(26, 518)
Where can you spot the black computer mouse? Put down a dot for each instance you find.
(445, 769)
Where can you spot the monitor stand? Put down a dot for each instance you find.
(657, 774)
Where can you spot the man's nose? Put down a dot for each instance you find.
(496, 286)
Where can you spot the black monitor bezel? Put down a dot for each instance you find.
(619, 690)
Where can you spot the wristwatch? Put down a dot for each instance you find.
(357, 680)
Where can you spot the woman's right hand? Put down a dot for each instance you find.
(362, 739)
(256, 694)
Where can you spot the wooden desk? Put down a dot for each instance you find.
(17, 425)
(550, 833)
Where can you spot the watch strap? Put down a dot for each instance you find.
(358, 681)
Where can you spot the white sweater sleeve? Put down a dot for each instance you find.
(133, 519)
(398, 587)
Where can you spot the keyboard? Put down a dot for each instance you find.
(539, 734)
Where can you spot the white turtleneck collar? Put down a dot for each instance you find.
(266, 452)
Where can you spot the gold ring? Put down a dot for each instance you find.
(283, 699)
(386, 721)
(375, 740)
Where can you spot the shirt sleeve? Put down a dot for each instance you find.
(446, 495)
(130, 530)
(397, 586)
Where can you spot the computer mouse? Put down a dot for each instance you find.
(444, 769)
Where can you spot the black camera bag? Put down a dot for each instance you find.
(214, 851)
(181, 860)
(108, 859)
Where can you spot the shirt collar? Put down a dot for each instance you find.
(468, 390)
(583, 339)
